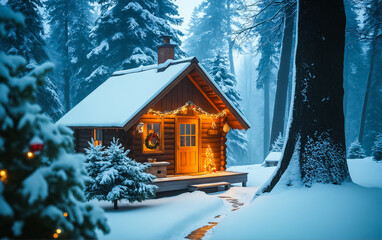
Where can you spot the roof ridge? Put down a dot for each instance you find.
(161, 67)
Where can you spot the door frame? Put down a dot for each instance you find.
(177, 141)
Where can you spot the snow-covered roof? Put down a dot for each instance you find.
(120, 98)
(273, 156)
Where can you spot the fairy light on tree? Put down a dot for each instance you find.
(209, 164)
(3, 175)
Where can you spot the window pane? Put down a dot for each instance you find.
(157, 128)
(192, 140)
(98, 134)
(188, 129)
(182, 141)
(181, 129)
(149, 128)
(187, 140)
(192, 129)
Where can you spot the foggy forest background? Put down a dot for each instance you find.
(247, 46)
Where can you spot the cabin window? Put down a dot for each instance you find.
(97, 136)
(149, 128)
(187, 135)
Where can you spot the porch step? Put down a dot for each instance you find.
(196, 187)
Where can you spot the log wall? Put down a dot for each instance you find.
(168, 153)
(214, 141)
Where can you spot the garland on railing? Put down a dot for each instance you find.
(184, 109)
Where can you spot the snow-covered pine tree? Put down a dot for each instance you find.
(95, 157)
(42, 181)
(123, 178)
(70, 25)
(236, 139)
(356, 150)
(278, 144)
(207, 33)
(126, 35)
(29, 42)
(377, 148)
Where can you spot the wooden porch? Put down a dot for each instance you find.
(182, 182)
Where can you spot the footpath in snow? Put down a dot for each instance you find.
(349, 211)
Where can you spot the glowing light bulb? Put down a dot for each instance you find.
(58, 231)
(55, 235)
(65, 214)
(3, 173)
(30, 154)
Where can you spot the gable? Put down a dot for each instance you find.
(181, 93)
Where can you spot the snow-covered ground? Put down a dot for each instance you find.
(348, 211)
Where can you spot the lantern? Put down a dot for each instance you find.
(226, 127)
(140, 127)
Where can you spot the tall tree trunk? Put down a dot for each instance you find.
(283, 75)
(366, 97)
(229, 40)
(66, 64)
(266, 119)
(316, 134)
(115, 204)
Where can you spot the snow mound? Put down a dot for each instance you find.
(320, 212)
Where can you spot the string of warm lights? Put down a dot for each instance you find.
(209, 164)
(184, 110)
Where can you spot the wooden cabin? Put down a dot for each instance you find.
(171, 111)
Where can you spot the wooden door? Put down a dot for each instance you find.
(187, 160)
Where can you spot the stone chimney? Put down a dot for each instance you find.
(166, 50)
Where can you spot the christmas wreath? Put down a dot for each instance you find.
(148, 141)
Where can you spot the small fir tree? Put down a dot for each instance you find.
(377, 148)
(356, 150)
(42, 181)
(278, 145)
(95, 158)
(209, 164)
(123, 178)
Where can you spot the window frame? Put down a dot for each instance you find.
(96, 141)
(160, 148)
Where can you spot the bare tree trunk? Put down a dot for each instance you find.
(317, 124)
(266, 119)
(66, 64)
(229, 40)
(283, 75)
(115, 204)
(366, 97)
